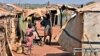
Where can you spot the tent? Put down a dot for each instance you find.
(81, 33)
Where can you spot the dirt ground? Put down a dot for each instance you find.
(45, 50)
(48, 50)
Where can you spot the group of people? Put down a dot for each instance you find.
(31, 33)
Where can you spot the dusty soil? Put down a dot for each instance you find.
(47, 50)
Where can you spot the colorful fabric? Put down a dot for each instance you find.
(29, 36)
(29, 41)
(29, 30)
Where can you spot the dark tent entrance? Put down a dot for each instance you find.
(54, 17)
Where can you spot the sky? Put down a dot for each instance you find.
(45, 1)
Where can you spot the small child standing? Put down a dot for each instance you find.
(29, 38)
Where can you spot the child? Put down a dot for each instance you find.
(29, 38)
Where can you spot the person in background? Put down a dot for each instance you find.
(47, 28)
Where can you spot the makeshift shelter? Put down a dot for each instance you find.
(81, 33)
(12, 8)
(54, 11)
(60, 13)
(18, 11)
(5, 32)
(38, 12)
(28, 12)
(18, 24)
(15, 8)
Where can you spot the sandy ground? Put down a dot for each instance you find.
(48, 50)
(45, 50)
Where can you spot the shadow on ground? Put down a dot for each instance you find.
(59, 54)
(52, 43)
